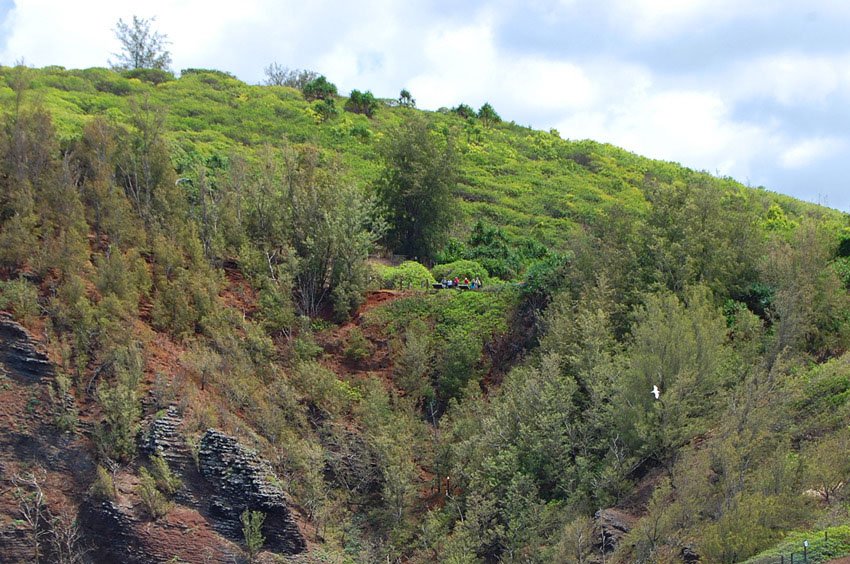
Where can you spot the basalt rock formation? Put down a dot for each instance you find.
(20, 357)
(242, 480)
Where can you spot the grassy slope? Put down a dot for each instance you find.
(532, 183)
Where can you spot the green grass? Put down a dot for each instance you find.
(824, 545)
(530, 183)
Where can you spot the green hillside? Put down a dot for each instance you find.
(231, 252)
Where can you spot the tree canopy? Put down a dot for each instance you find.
(416, 188)
(141, 46)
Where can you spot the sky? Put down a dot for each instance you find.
(754, 89)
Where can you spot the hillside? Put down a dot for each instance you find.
(206, 313)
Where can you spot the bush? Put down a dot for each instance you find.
(325, 110)
(358, 346)
(153, 500)
(319, 89)
(21, 297)
(361, 103)
(64, 409)
(461, 269)
(166, 480)
(152, 76)
(464, 111)
(252, 530)
(103, 488)
(407, 275)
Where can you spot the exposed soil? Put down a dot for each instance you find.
(378, 362)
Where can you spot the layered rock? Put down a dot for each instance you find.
(242, 480)
(162, 437)
(20, 356)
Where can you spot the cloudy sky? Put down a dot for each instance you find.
(755, 89)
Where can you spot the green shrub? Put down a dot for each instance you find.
(325, 109)
(152, 76)
(153, 500)
(166, 480)
(461, 269)
(252, 530)
(21, 297)
(358, 346)
(319, 89)
(64, 409)
(103, 488)
(119, 400)
(361, 103)
(407, 275)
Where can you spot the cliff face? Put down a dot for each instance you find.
(21, 359)
(242, 480)
(204, 523)
(46, 471)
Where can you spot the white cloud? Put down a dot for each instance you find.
(791, 78)
(809, 151)
(654, 19)
(690, 127)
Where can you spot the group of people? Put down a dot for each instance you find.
(456, 282)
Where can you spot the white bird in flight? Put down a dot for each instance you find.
(656, 392)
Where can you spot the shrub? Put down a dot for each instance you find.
(464, 111)
(319, 89)
(153, 500)
(252, 530)
(152, 76)
(64, 409)
(358, 346)
(461, 269)
(103, 488)
(116, 435)
(407, 275)
(325, 110)
(20, 296)
(166, 480)
(361, 103)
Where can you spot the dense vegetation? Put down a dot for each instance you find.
(129, 201)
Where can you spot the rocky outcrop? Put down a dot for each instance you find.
(242, 480)
(20, 356)
(162, 437)
(613, 526)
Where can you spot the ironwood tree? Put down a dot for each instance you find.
(416, 189)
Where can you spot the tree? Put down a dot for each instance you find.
(488, 115)
(252, 530)
(319, 89)
(405, 99)
(416, 189)
(464, 110)
(141, 47)
(278, 75)
(361, 103)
